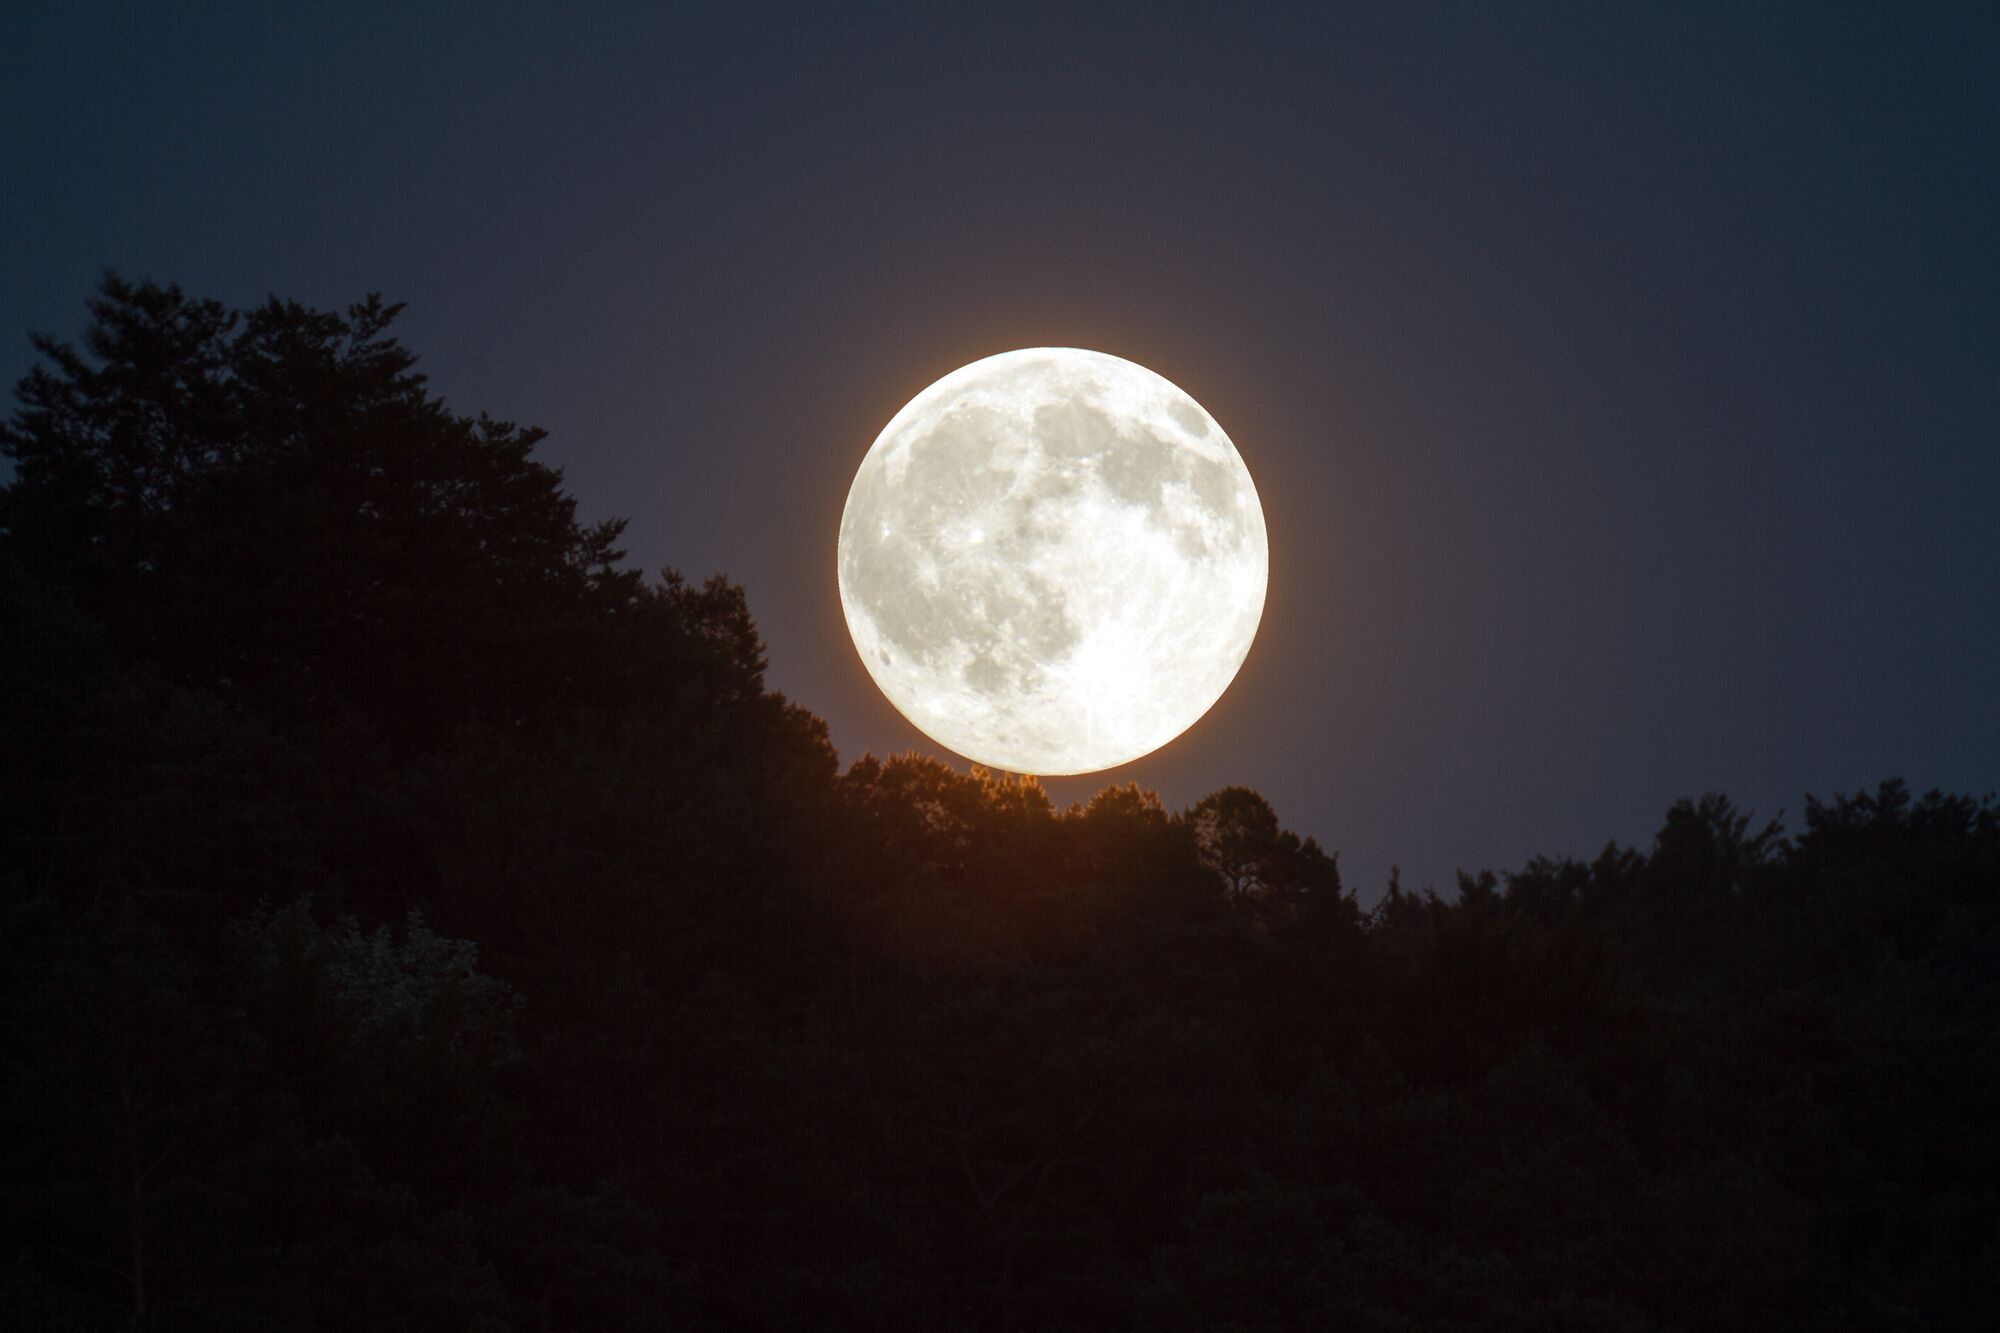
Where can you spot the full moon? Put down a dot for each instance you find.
(1053, 561)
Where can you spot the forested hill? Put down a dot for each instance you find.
(413, 918)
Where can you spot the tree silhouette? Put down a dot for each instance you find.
(269, 505)
(410, 917)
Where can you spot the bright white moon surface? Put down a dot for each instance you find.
(1053, 561)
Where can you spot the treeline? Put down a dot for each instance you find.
(412, 918)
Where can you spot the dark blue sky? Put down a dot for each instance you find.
(1623, 384)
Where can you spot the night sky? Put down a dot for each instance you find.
(1622, 385)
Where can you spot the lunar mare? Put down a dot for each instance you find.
(1053, 561)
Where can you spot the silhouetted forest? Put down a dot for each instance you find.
(415, 919)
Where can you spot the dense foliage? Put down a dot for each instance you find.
(411, 919)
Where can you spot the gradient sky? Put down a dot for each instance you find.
(1622, 383)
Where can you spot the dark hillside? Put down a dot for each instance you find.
(412, 918)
